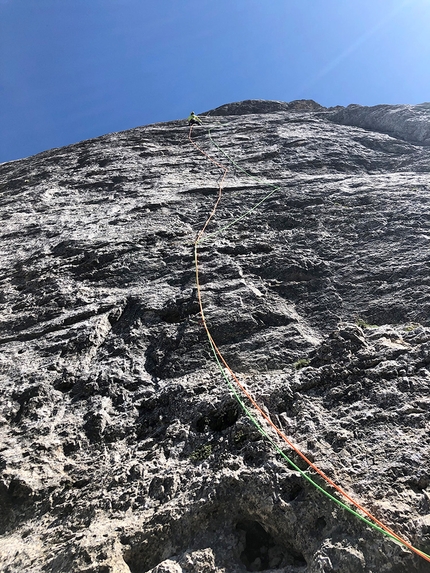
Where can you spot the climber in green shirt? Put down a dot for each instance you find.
(194, 119)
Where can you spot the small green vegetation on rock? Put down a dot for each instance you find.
(412, 326)
(301, 363)
(364, 324)
(201, 453)
(240, 437)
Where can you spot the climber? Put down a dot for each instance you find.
(194, 119)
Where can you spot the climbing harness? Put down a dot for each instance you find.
(240, 391)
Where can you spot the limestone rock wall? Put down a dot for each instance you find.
(121, 448)
(408, 122)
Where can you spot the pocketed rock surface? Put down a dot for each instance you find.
(122, 449)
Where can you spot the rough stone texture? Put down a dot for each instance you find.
(259, 106)
(121, 448)
(408, 122)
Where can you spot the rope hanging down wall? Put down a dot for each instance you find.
(258, 417)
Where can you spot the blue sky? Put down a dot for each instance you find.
(75, 69)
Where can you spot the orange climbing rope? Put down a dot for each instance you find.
(220, 184)
(246, 393)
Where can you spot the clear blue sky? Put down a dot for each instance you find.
(75, 69)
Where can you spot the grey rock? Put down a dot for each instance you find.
(122, 448)
(259, 106)
(408, 122)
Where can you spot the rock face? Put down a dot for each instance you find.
(122, 449)
(407, 122)
(259, 106)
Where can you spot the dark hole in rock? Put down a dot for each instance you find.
(219, 420)
(200, 390)
(143, 553)
(320, 525)
(70, 446)
(295, 493)
(261, 551)
(64, 383)
(19, 490)
(202, 423)
(171, 315)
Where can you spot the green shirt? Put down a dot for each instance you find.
(194, 117)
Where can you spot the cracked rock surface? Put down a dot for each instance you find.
(122, 449)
